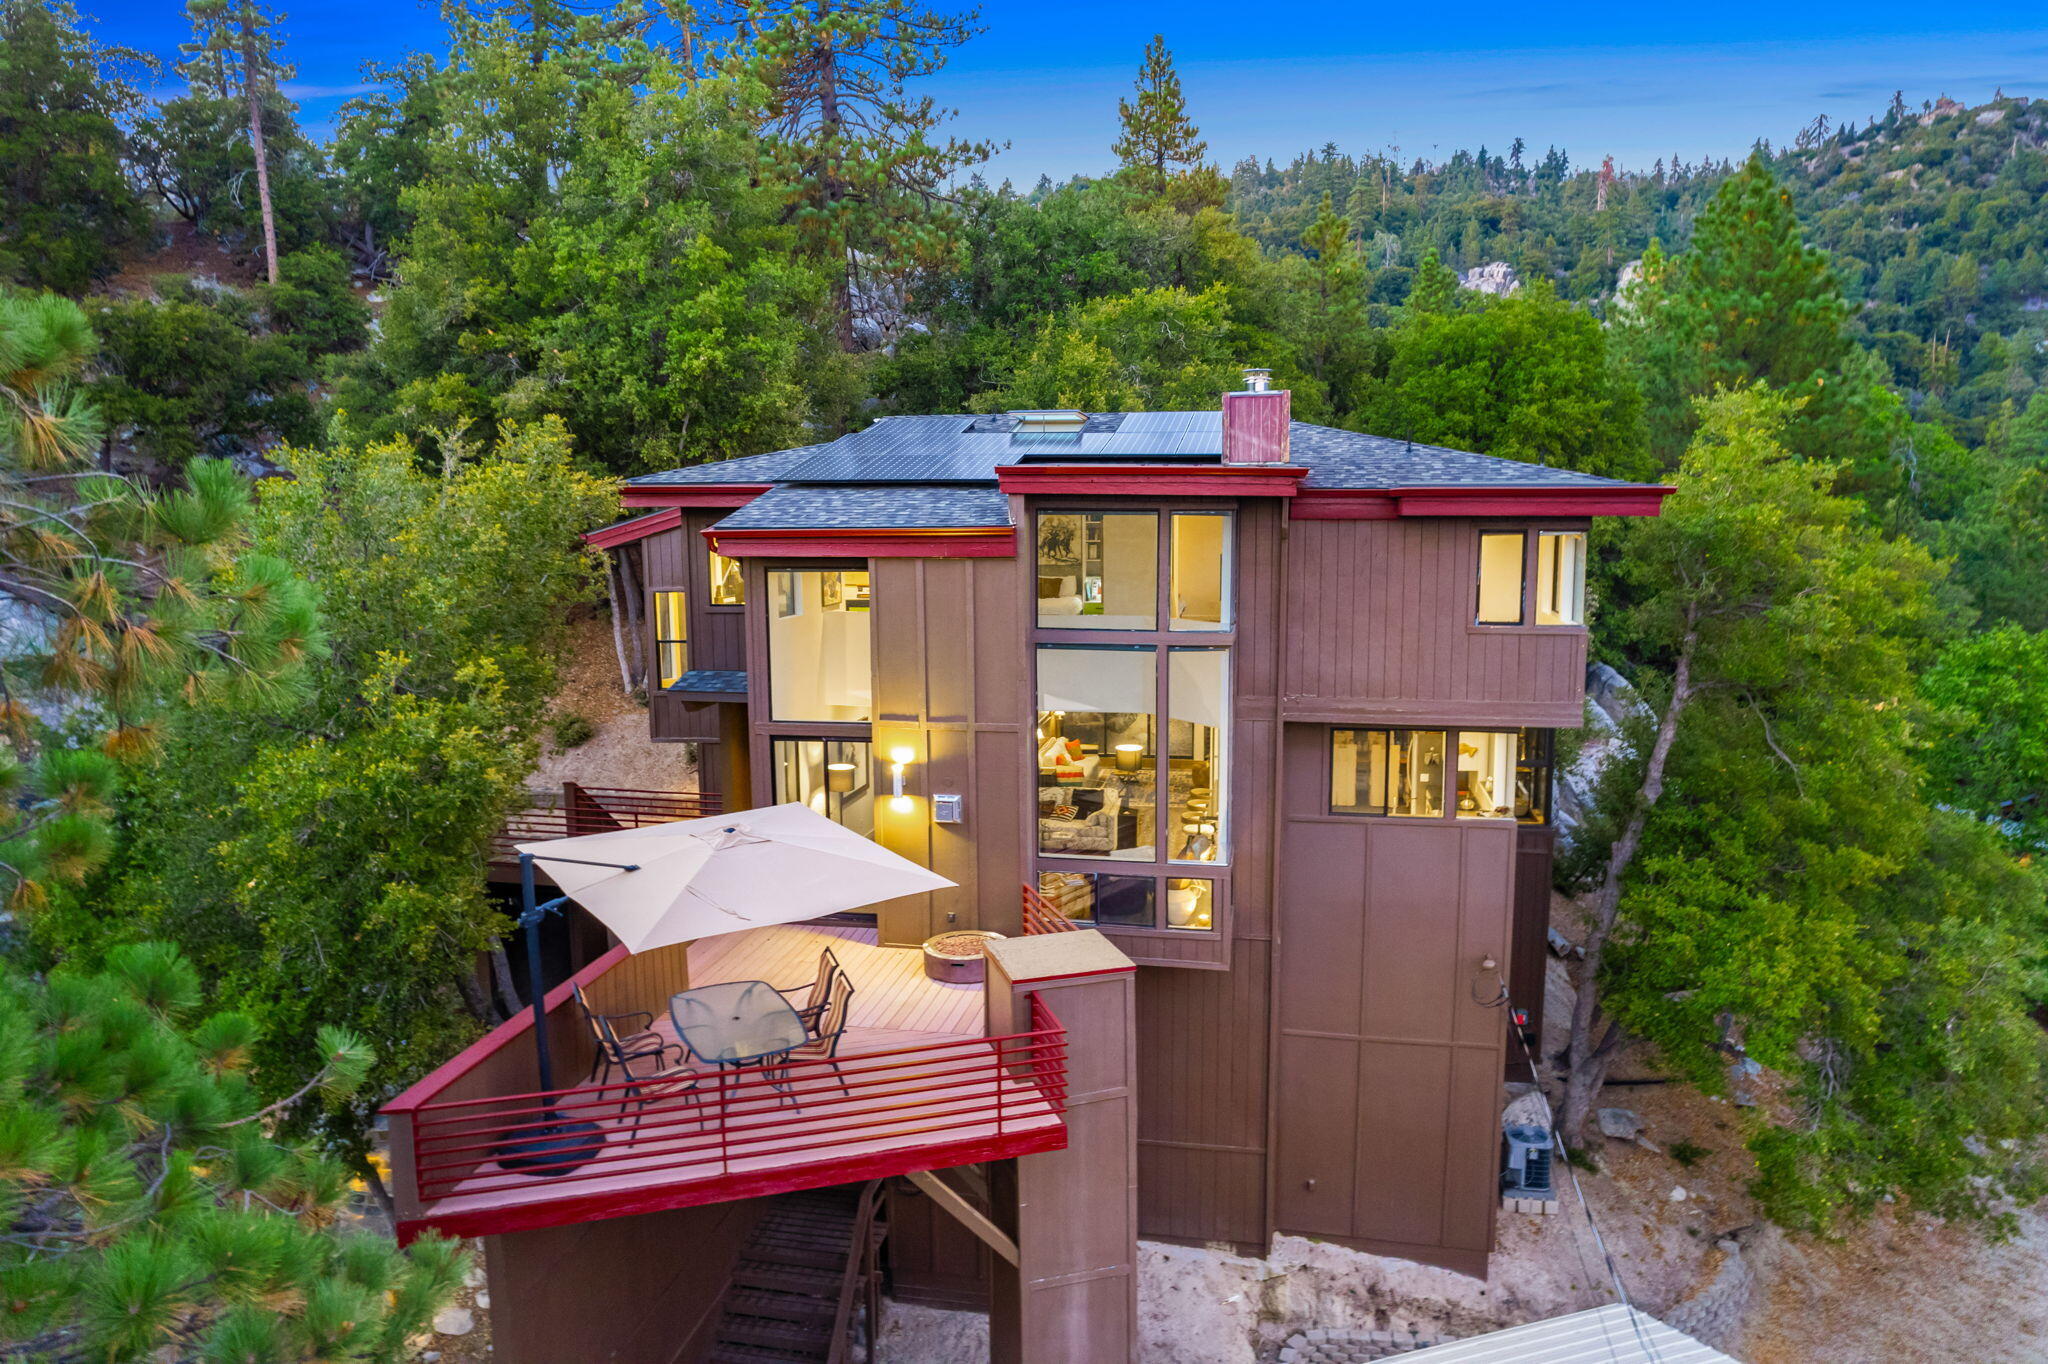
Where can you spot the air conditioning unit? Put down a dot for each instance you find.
(1528, 1171)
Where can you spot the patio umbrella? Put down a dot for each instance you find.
(691, 878)
(697, 878)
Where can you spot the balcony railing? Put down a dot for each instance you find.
(1042, 916)
(583, 809)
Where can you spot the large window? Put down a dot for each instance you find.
(832, 776)
(1109, 900)
(1098, 751)
(1434, 773)
(819, 662)
(1561, 577)
(1098, 570)
(1501, 566)
(671, 636)
(728, 583)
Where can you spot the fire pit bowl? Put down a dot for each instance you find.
(955, 956)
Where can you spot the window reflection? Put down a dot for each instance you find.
(1498, 774)
(1100, 898)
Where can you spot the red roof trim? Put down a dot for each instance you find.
(690, 495)
(1154, 480)
(1359, 504)
(639, 528)
(843, 542)
(594, 1207)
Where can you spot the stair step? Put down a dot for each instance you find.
(787, 1306)
(795, 1282)
(768, 1333)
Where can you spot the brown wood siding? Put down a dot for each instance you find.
(934, 1261)
(948, 685)
(1202, 1108)
(1389, 1064)
(1380, 628)
(626, 1290)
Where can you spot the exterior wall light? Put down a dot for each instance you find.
(899, 758)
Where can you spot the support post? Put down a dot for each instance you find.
(1071, 1297)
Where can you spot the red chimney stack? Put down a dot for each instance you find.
(1255, 421)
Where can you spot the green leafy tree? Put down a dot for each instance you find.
(1986, 506)
(1991, 756)
(153, 1215)
(380, 147)
(1772, 882)
(1333, 329)
(190, 374)
(1159, 149)
(858, 156)
(67, 208)
(129, 604)
(296, 852)
(1159, 349)
(233, 41)
(1525, 377)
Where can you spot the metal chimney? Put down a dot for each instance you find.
(1258, 380)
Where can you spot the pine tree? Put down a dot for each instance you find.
(865, 175)
(233, 49)
(1436, 286)
(130, 602)
(152, 1214)
(1159, 141)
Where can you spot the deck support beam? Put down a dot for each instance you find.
(965, 1213)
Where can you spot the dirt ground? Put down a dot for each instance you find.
(620, 754)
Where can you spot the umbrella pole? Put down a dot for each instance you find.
(530, 915)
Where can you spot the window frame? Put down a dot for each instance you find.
(711, 602)
(800, 725)
(681, 613)
(1531, 531)
(1543, 745)
(1162, 640)
(870, 770)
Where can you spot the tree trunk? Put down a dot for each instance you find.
(612, 593)
(501, 976)
(473, 995)
(1586, 1058)
(253, 91)
(374, 1182)
(632, 583)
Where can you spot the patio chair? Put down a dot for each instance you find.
(617, 1050)
(824, 1044)
(818, 991)
(667, 1083)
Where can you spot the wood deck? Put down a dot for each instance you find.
(902, 1111)
(890, 989)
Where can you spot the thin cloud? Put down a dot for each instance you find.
(301, 90)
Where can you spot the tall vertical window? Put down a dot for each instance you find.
(1561, 577)
(820, 666)
(1197, 690)
(1198, 593)
(1500, 577)
(1098, 570)
(832, 776)
(728, 583)
(1098, 751)
(671, 636)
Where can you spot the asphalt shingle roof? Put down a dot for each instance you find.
(828, 507)
(939, 472)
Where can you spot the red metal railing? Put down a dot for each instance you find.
(1042, 916)
(727, 1123)
(599, 809)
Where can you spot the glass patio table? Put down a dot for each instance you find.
(736, 1023)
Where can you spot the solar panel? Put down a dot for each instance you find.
(896, 466)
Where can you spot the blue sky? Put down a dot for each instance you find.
(1632, 81)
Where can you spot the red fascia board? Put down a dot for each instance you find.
(690, 495)
(839, 542)
(1342, 504)
(1640, 499)
(639, 528)
(596, 1207)
(1153, 480)
(429, 1087)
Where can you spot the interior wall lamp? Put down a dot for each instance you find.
(900, 757)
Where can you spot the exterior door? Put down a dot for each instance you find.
(1388, 1093)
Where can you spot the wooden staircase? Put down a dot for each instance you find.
(810, 1261)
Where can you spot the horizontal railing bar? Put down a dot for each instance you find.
(850, 1117)
(920, 1049)
(762, 1092)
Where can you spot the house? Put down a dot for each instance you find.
(1265, 708)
